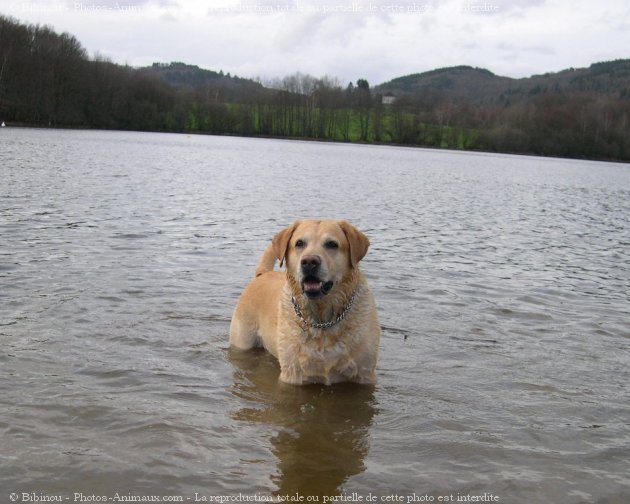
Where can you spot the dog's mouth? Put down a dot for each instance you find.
(315, 288)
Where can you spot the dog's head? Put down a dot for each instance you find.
(320, 254)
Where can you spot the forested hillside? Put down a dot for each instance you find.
(47, 79)
(574, 113)
(481, 87)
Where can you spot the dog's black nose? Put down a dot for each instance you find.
(310, 263)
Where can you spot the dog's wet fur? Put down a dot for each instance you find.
(322, 278)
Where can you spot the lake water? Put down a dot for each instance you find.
(503, 290)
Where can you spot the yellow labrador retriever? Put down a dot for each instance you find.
(319, 317)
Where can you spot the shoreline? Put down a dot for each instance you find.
(318, 140)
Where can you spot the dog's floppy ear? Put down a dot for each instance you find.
(280, 242)
(359, 243)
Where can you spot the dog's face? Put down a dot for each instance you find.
(320, 254)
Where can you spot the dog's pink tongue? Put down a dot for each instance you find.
(312, 285)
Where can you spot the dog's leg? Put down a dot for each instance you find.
(291, 374)
(242, 335)
(347, 367)
(291, 370)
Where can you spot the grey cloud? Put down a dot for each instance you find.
(71, 4)
(537, 49)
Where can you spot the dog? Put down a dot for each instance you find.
(318, 318)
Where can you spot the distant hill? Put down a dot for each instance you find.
(189, 78)
(183, 76)
(479, 86)
(460, 82)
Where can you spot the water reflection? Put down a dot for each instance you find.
(502, 285)
(322, 432)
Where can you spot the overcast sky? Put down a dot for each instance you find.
(349, 39)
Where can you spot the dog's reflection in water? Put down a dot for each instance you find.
(322, 431)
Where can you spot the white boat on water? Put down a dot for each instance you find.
(3, 125)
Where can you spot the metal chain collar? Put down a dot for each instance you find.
(323, 325)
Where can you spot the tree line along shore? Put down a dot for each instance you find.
(48, 79)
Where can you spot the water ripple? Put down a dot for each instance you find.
(502, 284)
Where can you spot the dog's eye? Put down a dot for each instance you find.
(331, 245)
(299, 244)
